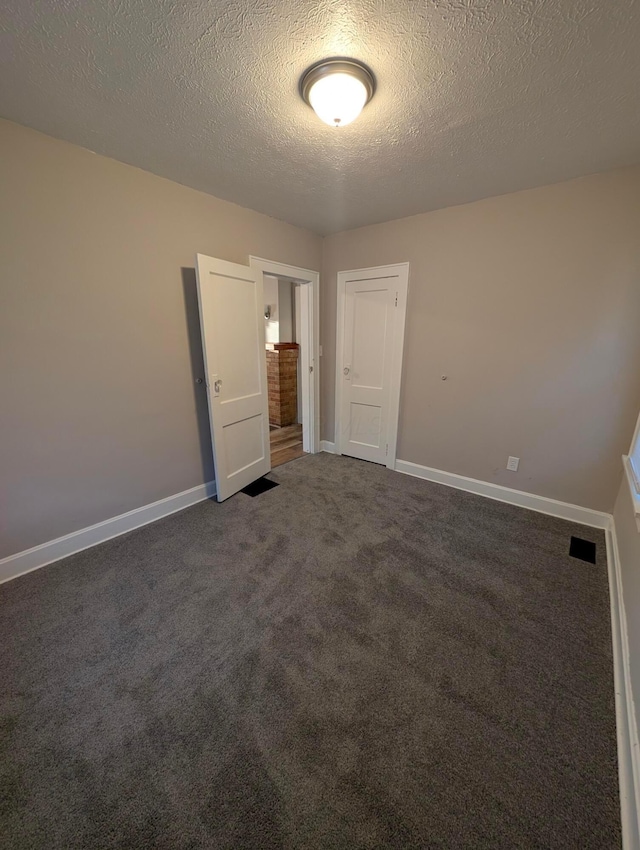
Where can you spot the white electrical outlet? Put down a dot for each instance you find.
(512, 464)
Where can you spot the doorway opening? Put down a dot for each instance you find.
(282, 332)
(291, 338)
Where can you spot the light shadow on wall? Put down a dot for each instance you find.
(192, 315)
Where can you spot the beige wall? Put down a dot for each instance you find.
(285, 310)
(278, 294)
(99, 412)
(271, 325)
(530, 303)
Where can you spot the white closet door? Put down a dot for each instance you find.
(369, 371)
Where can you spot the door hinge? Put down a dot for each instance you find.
(387, 449)
(396, 299)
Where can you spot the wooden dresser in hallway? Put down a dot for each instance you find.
(282, 380)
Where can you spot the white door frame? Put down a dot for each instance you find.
(309, 341)
(400, 271)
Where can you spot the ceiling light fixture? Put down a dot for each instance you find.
(337, 89)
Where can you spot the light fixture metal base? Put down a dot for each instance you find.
(337, 65)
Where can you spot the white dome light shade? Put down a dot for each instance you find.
(338, 99)
(337, 90)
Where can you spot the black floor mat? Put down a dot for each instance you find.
(259, 486)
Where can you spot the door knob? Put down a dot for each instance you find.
(216, 386)
(346, 370)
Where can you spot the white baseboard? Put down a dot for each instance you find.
(32, 559)
(626, 725)
(326, 446)
(552, 507)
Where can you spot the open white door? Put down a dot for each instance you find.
(371, 318)
(232, 323)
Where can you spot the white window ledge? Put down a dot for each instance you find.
(633, 487)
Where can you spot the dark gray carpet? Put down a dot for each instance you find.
(354, 659)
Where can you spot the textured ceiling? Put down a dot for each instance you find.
(475, 97)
